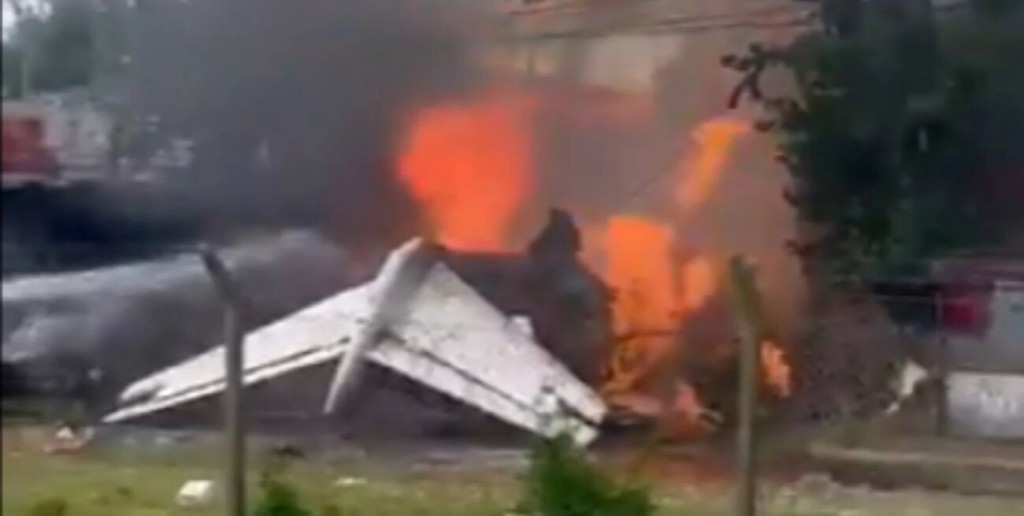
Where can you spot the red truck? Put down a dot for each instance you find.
(27, 158)
(44, 210)
(64, 202)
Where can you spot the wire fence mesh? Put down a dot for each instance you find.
(886, 352)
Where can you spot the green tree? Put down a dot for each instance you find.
(897, 134)
(57, 39)
(11, 70)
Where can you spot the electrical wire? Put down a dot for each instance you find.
(753, 19)
(664, 27)
(605, 6)
(695, 24)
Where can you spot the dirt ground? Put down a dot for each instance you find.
(139, 474)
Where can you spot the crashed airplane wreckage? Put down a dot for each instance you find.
(417, 318)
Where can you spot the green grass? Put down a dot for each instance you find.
(143, 482)
(106, 485)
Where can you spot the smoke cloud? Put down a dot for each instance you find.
(293, 107)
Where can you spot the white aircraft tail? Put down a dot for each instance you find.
(419, 319)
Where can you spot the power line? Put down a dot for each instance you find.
(575, 6)
(688, 24)
(694, 24)
(605, 6)
(666, 27)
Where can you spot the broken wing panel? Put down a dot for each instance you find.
(409, 362)
(453, 325)
(316, 334)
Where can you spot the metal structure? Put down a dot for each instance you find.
(234, 337)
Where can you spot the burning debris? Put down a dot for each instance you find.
(656, 279)
(630, 301)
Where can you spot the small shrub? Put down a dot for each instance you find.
(562, 482)
(330, 510)
(277, 496)
(49, 507)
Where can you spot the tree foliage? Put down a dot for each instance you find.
(11, 70)
(57, 40)
(897, 133)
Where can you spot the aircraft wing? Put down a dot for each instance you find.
(441, 334)
(312, 336)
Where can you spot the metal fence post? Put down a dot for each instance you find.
(750, 327)
(943, 366)
(234, 423)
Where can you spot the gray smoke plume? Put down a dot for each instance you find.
(294, 106)
(126, 321)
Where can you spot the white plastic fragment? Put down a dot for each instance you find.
(350, 482)
(911, 375)
(196, 493)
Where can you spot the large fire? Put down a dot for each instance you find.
(471, 167)
(657, 291)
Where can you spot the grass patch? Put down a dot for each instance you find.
(144, 482)
(561, 481)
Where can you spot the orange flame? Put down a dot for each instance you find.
(699, 283)
(638, 267)
(777, 373)
(652, 295)
(470, 168)
(700, 175)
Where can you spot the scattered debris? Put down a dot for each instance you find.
(288, 451)
(350, 482)
(196, 494)
(68, 439)
(911, 375)
(817, 485)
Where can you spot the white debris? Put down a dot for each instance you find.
(911, 375)
(69, 440)
(350, 482)
(196, 493)
(65, 433)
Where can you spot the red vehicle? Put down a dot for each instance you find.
(35, 193)
(27, 159)
(63, 203)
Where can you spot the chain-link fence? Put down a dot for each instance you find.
(889, 350)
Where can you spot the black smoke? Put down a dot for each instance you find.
(295, 106)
